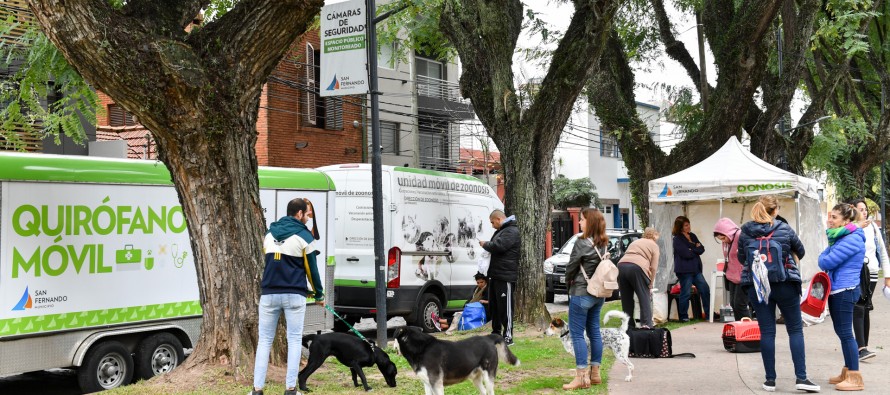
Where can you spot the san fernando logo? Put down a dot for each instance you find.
(25, 302)
(335, 84)
(666, 192)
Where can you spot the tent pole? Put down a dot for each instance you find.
(721, 207)
(797, 212)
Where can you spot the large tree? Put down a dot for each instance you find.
(198, 93)
(484, 35)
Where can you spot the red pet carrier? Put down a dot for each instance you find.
(817, 295)
(741, 336)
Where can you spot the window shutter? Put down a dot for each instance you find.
(334, 112)
(117, 116)
(312, 91)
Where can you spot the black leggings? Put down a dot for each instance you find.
(861, 319)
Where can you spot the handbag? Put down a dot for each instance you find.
(652, 343)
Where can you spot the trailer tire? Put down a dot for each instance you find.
(549, 297)
(429, 303)
(158, 354)
(106, 365)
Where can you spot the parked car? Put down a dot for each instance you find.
(555, 266)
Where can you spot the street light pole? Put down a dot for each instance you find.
(376, 178)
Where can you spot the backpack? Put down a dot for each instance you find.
(604, 280)
(770, 252)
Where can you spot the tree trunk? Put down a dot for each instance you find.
(485, 36)
(199, 95)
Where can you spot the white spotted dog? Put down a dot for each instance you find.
(614, 338)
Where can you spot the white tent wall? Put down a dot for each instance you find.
(704, 214)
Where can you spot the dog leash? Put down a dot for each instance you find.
(360, 336)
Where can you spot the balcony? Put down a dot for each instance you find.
(441, 96)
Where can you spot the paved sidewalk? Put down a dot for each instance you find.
(715, 370)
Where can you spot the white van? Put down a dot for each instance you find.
(432, 222)
(96, 266)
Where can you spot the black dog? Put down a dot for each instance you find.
(439, 363)
(351, 352)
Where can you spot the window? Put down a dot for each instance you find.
(608, 145)
(309, 114)
(389, 137)
(430, 78)
(434, 141)
(385, 56)
(321, 112)
(117, 116)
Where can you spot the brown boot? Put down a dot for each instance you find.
(582, 380)
(852, 383)
(595, 377)
(839, 378)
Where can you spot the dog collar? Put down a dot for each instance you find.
(564, 334)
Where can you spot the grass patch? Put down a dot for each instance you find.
(544, 368)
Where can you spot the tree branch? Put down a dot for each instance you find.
(250, 37)
(674, 48)
(571, 67)
(167, 16)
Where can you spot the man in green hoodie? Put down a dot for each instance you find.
(290, 276)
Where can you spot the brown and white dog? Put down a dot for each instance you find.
(614, 338)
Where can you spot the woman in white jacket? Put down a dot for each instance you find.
(876, 258)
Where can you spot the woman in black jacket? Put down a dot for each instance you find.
(785, 293)
(688, 267)
(584, 308)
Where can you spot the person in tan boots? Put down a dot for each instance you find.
(843, 260)
(584, 308)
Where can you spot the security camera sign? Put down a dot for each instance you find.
(343, 49)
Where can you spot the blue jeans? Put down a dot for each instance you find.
(840, 306)
(584, 313)
(704, 291)
(786, 295)
(271, 306)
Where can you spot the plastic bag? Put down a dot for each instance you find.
(472, 317)
(483, 262)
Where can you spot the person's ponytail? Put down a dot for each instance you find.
(759, 214)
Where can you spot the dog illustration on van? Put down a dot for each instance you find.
(431, 222)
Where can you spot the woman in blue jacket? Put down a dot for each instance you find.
(842, 260)
(688, 267)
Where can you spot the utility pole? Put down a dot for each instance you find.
(380, 264)
(703, 76)
(376, 177)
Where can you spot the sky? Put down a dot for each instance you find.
(572, 151)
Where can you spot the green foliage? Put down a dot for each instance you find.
(415, 28)
(839, 26)
(684, 110)
(567, 193)
(636, 26)
(832, 149)
(41, 71)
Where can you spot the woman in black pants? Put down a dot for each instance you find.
(635, 274)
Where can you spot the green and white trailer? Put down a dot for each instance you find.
(96, 267)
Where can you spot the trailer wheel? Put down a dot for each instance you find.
(158, 354)
(549, 297)
(429, 305)
(106, 365)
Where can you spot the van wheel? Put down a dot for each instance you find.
(429, 304)
(548, 297)
(107, 365)
(158, 354)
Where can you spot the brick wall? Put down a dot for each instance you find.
(284, 110)
(281, 124)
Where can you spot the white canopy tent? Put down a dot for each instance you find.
(727, 184)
